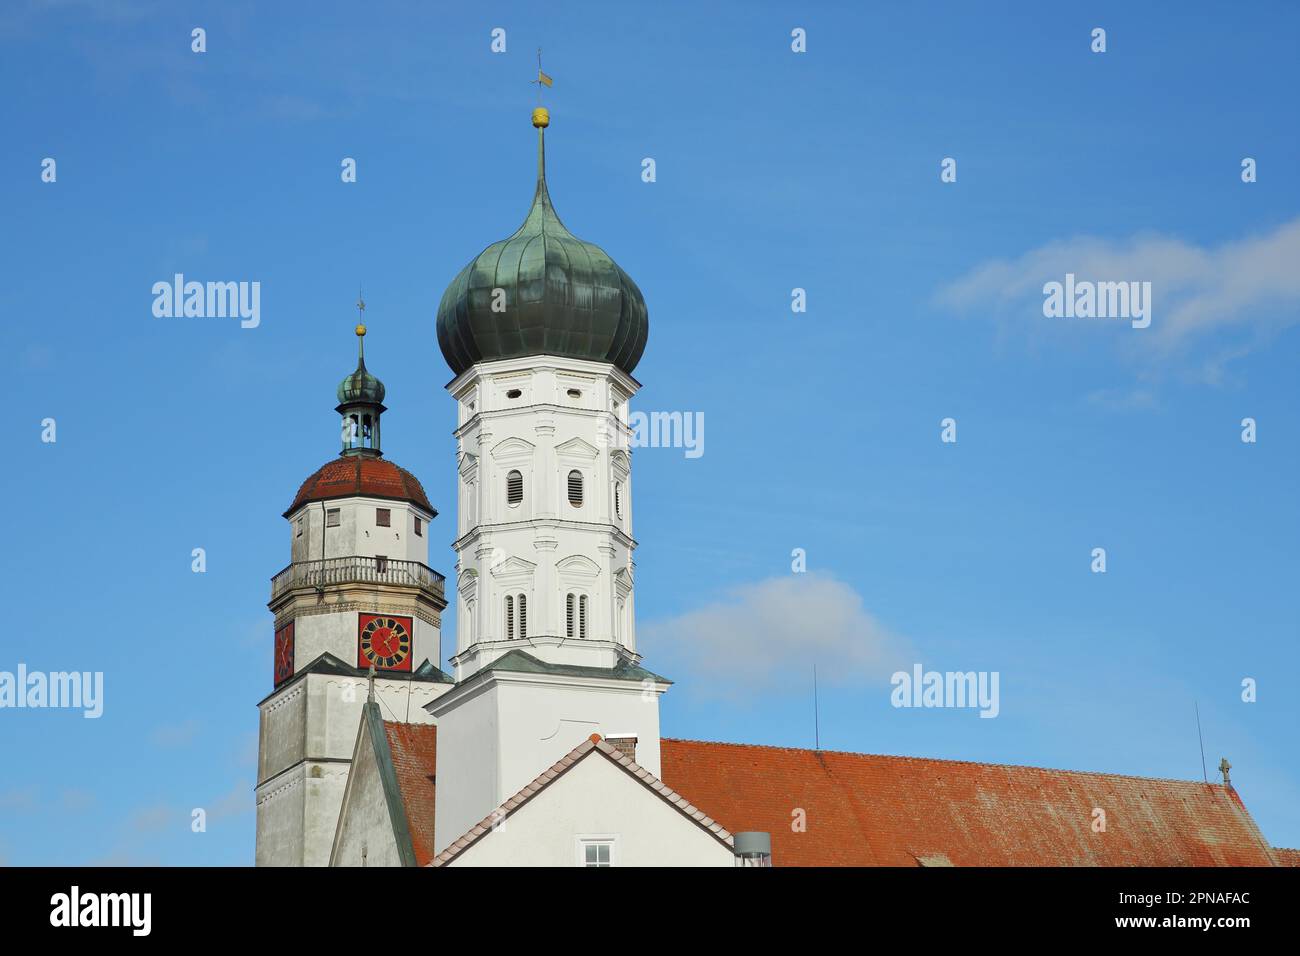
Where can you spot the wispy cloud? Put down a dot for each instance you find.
(761, 633)
(1249, 285)
(175, 735)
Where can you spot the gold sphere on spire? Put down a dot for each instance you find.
(361, 330)
(541, 117)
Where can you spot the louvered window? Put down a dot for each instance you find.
(510, 617)
(568, 616)
(523, 617)
(575, 488)
(582, 617)
(514, 488)
(618, 499)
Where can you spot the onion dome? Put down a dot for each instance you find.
(560, 295)
(360, 386)
(351, 476)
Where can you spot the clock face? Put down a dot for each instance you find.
(384, 641)
(283, 654)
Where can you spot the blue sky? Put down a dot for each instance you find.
(775, 170)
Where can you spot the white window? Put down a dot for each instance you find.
(596, 851)
(575, 488)
(514, 488)
(523, 617)
(568, 616)
(582, 617)
(332, 518)
(510, 618)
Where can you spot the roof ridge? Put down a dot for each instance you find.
(946, 760)
(557, 770)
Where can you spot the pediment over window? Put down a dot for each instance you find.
(512, 449)
(578, 566)
(513, 568)
(577, 448)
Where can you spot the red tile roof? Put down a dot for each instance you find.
(347, 476)
(867, 810)
(1286, 856)
(415, 758)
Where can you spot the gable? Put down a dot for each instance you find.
(596, 799)
(868, 810)
(386, 818)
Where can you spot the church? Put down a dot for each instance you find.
(542, 747)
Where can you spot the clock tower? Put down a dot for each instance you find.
(357, 597)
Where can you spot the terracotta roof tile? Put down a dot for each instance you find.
(347, 476)
(415, 759)
(868, 810)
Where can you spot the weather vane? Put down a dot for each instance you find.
(542, 78)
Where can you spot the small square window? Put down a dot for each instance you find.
(332, 518)
(383, 517)
(300, 522)
(596, 854)
(419, 526)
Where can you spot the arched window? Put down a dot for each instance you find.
(568, 616)
(514, 488)
(575, 488)
(510, 618)
(618, 499)
(523, 617)
(582, 617)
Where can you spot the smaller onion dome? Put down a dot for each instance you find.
(361, 386)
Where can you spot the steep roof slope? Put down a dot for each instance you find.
(869, 810)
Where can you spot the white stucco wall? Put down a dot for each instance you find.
(496, 738)
(544, 547)
(307, 735)
(357, 531)
(364, 821)
(597, 799)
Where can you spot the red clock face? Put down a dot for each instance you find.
(284, 654)
(384, 641)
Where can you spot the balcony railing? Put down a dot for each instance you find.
(356, 569)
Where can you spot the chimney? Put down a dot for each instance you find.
(624, 743)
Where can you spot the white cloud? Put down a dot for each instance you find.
(1250, 284)
(765, 634)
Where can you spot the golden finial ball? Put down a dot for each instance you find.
(541, 117)
(361, 330)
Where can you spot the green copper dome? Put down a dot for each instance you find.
(562, 296)
(361, 386)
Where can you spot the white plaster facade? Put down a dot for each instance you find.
(307, 733)
(545, 420)
(596, 801)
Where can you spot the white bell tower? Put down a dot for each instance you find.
(542, 331)
(544, 530)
